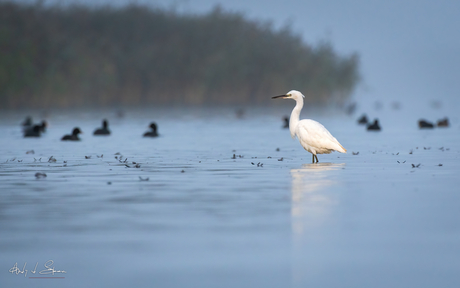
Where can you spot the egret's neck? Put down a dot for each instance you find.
(295, 114)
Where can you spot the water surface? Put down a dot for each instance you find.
(226, 201)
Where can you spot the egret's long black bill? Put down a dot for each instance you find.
(279, 96)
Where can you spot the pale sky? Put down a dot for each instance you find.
(409, 49)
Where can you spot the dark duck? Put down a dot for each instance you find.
(153, 132)
(34, 131)
(104, 130)
(286, 122)
(73, 136)
(374, 126)
(363, 119)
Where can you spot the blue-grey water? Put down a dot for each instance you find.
(192, 216)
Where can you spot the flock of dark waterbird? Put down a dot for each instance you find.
(422, 124)
(374, 126)
(35, 130)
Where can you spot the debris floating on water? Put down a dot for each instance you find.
(237, 156)
(443, 122)
(40, 175)
(425, 124)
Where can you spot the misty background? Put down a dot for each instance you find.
(407, 50)
(79, 56)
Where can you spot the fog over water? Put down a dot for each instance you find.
(408, 48)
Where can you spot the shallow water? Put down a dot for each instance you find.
(267, 218)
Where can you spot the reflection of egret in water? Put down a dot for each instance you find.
(311, 202)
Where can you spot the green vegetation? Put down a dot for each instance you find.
(135, 55)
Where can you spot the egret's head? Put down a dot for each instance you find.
(293, 94)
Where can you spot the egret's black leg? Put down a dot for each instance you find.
(313, 158)
(316, 158)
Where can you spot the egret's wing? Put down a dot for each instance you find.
(315, 135)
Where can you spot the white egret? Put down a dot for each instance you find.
(312, 135)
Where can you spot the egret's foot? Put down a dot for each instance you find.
(313, 159)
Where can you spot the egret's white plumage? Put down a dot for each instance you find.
(312, 135)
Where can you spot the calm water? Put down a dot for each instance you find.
(202, 219)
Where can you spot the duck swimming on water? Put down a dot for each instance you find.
(74, 136)
(153, 132)
(363, 119)
(34, 131)
(374, 126)
(104, 130)
(286, 122)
